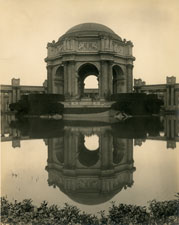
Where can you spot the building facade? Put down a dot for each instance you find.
(84, 50)
(12, 93)
(168, 92)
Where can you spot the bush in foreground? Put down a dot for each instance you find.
(26, 213)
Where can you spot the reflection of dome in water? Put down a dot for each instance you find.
(90, 177)
(90, 189)
(92, 198)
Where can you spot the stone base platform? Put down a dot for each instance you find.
(87, 104)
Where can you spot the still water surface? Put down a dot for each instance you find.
(90, 164)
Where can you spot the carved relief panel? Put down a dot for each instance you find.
(117, 48)
(87, 46)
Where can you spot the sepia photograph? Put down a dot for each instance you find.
(89, 112)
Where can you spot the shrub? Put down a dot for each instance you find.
(137, 103)
(26, 213)
(37, 104)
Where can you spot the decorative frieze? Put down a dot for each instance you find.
(107, 44)
(87, 46)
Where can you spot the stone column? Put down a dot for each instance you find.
(76, 83)
(66, 78)
(49, 79)
(69, 79)
(73, 77)
(129, 78)
(100, 83)
(110, 77)
(104, 85)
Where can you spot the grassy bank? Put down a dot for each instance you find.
(25, 213)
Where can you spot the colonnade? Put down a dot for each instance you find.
(72, 80)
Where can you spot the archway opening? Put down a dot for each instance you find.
(88, 81)
(88, 150)
(91, 82)
(118, 79)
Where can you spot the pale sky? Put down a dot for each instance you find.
(27, 25)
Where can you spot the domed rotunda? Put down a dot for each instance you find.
(89, 49)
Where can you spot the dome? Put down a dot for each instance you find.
(90, 28)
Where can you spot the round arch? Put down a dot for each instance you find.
(87, 157)
(118, 79)
(85, 70)
(59, 80)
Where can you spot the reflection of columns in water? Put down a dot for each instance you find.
(130, 150)
(123, 149)
(106, 151)
(171, 124)
(170, 96)
(90, 177)
(70, 149)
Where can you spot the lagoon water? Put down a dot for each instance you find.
(88, 164)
